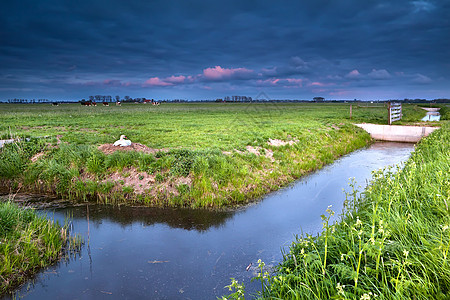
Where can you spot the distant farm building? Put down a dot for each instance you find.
(237, 99)
(319, 99)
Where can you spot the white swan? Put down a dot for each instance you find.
(122, 142)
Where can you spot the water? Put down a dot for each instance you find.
(432, 114)
(3, 142)
(136, 253)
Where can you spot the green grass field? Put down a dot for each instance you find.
(213, 154)
(188, 125)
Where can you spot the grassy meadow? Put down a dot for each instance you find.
(392, 241)
(198, 154)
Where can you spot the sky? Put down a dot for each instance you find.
(336, 49)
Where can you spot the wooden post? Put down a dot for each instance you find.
(389, 113)
(350, 111)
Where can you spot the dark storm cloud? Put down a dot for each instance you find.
(207, 48)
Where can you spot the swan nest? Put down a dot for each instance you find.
(110, 148)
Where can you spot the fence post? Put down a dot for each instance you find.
(389, 113)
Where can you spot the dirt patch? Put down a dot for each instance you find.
(37, 156)
(335, 127)
(143, 182)
(278, 143)
(140, 181)
(255, 150)
(110, 148)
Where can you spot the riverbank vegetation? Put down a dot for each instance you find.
(28, 243)
(192, 154)
(392, 242)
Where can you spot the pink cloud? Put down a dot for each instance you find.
(267, 82)
(175, 79)
(295, 81)
(219, 73)
(155, 81)
(353, 74)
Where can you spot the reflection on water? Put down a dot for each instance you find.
(432, 116)
(191, 254)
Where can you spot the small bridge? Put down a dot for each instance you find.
(396, 133)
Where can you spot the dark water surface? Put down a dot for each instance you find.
(136, 253)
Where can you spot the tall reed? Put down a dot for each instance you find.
(29, 242)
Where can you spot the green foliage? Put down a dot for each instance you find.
(14, 157)
(27, 243)
(198, 136)
(391, 243)
(159, 178)
(183, 161)
(445, 112)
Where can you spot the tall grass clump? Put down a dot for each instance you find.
(392, 242)
(27, 243)
(15, 156)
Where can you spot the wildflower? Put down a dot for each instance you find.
(340, 289)
(381, 229)
(342, 257)
(358, 222)
(444, 228)
(261, 264)
(329, 211)
(366, 296)
(405, 253)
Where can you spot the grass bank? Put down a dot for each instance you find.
(28, 243)
(392, 242)
(195, 155)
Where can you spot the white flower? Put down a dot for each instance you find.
(365, 296)
(405, 253)
(340, 289)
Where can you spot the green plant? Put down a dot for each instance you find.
(159, 178)
(239, 290)
(384, 240)
(29, 242)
